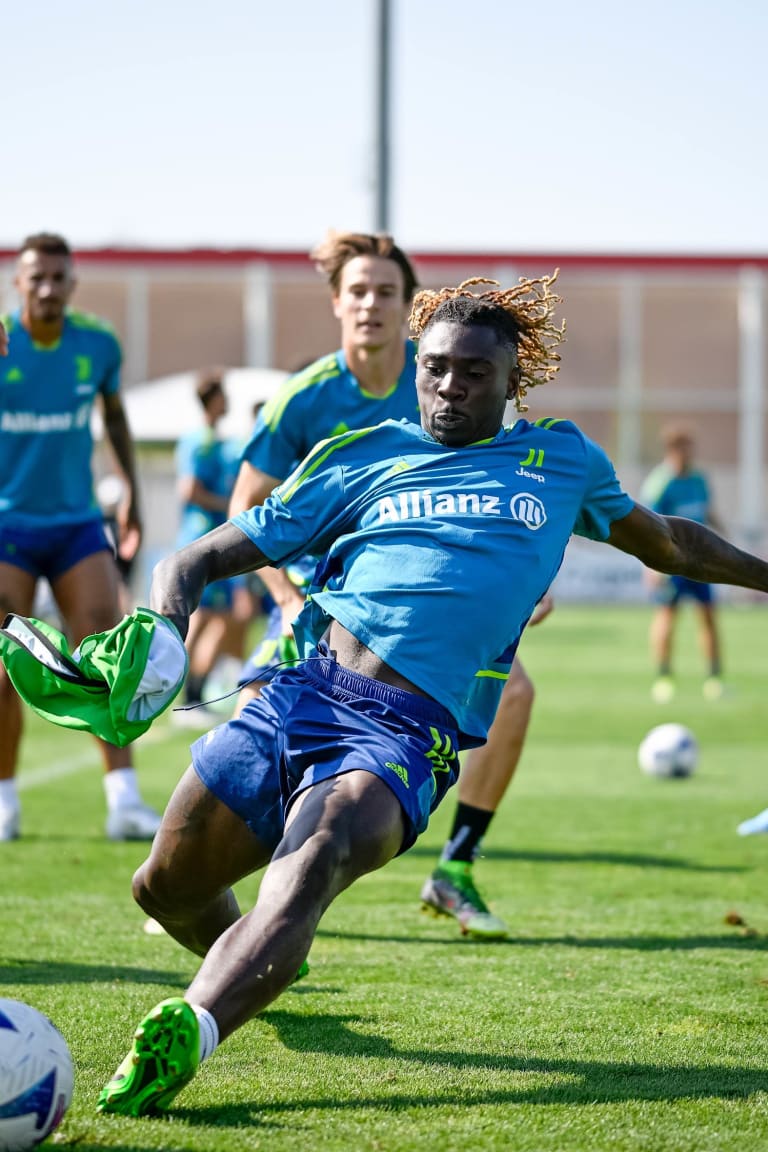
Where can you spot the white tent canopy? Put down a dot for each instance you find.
(168, 408)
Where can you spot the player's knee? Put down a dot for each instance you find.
(158, 890)
(140, 889)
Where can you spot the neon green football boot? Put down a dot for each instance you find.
(163, 1058)
(451, 891)
(302, 972)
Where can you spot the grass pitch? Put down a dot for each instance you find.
(627, 1011)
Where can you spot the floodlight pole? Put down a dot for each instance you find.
(383, 97)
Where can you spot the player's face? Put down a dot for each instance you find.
(680, 455)
(370, 303)
(218, 404)
(45, 283)
(464, 379)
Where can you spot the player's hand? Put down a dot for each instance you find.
(129, 529)
(3, 341)
(542, 609)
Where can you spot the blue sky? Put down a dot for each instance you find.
(558, 126)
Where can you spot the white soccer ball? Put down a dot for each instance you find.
(36, 1076)
(669, 750)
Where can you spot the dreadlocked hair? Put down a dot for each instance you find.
(522, 318)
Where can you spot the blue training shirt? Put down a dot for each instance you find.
(46, 398)
(670, 494)
(214, 462)
(323, 400)
(437, 556)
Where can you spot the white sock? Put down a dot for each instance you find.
(9, 796)
(121, 788)
(209, 1032)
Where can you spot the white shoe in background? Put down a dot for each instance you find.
(133, 822)
(10, 823)
(758, 823)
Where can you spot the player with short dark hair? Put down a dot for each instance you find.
(676, 487)
(59, 362)
(337, 766)
(206, 468)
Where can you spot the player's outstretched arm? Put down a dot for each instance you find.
(178, 580)
(681, 547)
(3, 341)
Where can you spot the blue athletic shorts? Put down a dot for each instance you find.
(320, 720)
(50, 552)
(272, 651)
(677, 588)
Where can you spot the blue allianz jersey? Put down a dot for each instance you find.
(324, 400)
(437, 556)
(673, 495)
(214, 462)
(46, 398)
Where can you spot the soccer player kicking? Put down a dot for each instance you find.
(336, 767)
(369, 379)
(58, 364)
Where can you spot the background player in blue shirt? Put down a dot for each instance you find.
(59, 363)
(336, 767)
(206, 468)
(677, 488)
(369, 379)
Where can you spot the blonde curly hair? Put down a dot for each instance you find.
(523, 318)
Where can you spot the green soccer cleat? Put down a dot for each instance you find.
(163, 1058)
(302, 972)
(451, 891)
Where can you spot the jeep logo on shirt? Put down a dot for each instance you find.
(528, 509)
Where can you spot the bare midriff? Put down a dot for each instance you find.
(353, 654)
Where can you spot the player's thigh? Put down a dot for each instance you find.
(17, 594)
(88, 594)
(354, 820)
(707, 613)
(17, 590)
(201, 847)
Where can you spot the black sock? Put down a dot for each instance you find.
(469, 826)
(193, 689)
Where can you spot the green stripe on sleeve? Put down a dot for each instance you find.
(316, 457)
